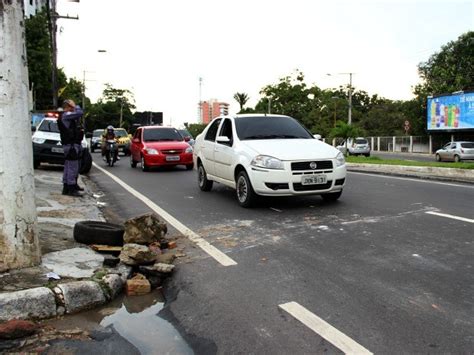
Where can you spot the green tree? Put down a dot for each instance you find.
(451, 69)
(38, 51)
(196, 128)
(113, 104)
(241, 98)
(288, 97)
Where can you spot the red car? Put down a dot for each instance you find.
(155, 146)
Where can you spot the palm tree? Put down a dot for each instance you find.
(345, 131)
(241, 98)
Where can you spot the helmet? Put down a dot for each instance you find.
(110, 128)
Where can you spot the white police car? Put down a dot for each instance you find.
(47, 146)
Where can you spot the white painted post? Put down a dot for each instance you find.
(378, 144)
(411, 144)
(19, 246)
(394, 142)
(430, 144)
(334, 142)
(372, 143)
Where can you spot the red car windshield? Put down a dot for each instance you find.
(161, 134)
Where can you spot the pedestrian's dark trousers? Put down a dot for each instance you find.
(71, 163)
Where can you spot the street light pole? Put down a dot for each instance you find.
(349, 115)
(52, 22)
(349, 119)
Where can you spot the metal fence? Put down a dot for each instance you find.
(404, 144)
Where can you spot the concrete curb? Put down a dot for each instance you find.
(444, 174)
(34, 303)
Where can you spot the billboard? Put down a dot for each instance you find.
(451, 112)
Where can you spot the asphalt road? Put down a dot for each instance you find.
(376, 265)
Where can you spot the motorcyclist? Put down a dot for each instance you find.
(109, 135)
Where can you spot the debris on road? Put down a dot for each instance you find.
(138, 285)
(15, 329)
(144, 229)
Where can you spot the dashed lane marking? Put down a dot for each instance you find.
(219, 256)
(324, 329)
(451, 216)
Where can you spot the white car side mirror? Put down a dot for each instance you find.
(317, 136)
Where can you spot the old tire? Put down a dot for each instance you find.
(85, 163)
(96, 232)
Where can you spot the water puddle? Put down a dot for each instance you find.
(136, 319)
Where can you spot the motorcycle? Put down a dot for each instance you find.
(111, 152)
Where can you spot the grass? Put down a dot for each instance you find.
(377, 160)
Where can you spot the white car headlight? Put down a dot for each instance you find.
(264, 161)
(151, 151)
(189, 150)
(39, 140)
(340, 161)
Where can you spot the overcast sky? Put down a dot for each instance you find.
(158, 49)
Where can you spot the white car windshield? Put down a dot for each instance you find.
(49, 126)
(270, 127)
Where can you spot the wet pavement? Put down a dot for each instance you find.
(135, 319)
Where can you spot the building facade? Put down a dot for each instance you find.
(212, 109)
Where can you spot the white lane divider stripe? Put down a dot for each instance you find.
(324, 329)
(222, 258)
(451, 216)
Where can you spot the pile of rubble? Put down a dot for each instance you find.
(145, 250)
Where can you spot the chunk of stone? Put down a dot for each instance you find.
(157, 269)
(81, 295)
(36, 303)
(114, 283)
(144, 229)
(136, 254)
(138, 285)
(165, 258)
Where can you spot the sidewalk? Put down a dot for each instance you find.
(29, 293)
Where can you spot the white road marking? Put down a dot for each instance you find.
(451, 216)
(324, 329)
(424, 181)
(222, 258)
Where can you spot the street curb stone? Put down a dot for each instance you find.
(81, 295)
(34, 303)
(114, 283)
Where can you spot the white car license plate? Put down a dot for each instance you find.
(313, 180)
(121, 149)
(172, 157)
(57, 149)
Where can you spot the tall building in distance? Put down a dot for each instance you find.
(213, 108)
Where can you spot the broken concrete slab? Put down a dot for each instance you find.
(157, 269)
(136, 254)
(34, 303)
(144, 229)
(75, 263)
(81, 295)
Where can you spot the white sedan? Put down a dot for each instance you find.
(268, 155)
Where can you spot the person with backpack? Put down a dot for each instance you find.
(71, 137)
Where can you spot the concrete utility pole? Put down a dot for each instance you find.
(19, 246)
